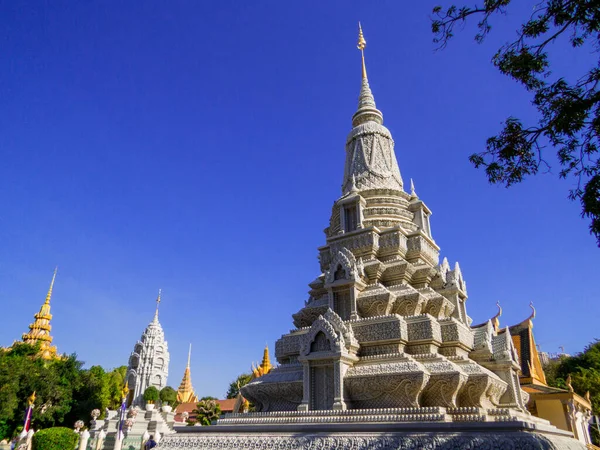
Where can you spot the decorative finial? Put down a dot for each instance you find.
(125, 390)
(31, 399)
(157, 304)
(413, 193)
(189, 355)
(49, 294)
(568, 383)
(532, 316)
(496, 318)
(587, 397)
(362, 43)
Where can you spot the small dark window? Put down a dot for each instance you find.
(350, 218)
(340, 273)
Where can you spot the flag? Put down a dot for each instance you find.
(120, 434)
(28, 414)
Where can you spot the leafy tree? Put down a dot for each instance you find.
(208, 397)
(569, 111)
(168, 395)
(151, 394)
(584, 369)
(93, 393)
(116, 381)
(207, 411)
(239, 382)
(54, 383)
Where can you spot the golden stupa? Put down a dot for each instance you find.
(185, 393)
(39, 330)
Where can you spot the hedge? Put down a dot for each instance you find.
(58, 438)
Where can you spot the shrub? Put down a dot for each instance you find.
(168, 395)
(151, 394)
(59, 438)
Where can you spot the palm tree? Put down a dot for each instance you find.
(207, 411)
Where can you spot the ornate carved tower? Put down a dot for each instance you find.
(149, 361)
(385, 325)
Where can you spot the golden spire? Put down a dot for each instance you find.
(266, 362)
(362, 43)
(185, 393)
(49, 294)
(39, 330)
(264, 367)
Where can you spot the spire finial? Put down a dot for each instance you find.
(362, 43)
(413, 193)
(49, 294)
(157, 304)
(367, 111)
(189, 355)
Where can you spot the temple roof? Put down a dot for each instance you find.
(531, 366)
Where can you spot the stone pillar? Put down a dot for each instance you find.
(305, 405)
(29, 439)
(100, 440)
(84, 437)
(353, 310)
(338, 386)
(118, 440)
(145, 438)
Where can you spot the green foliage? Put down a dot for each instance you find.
(168, 395)
(208, 397)
(116, 381)
(59, 438)
(569, 112)
(207, 411)
(54, 382)
(239, 382)
(64, 391)
(584, 369)
(151, 394)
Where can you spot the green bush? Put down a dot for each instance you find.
(59, 438)
(168, 395)
(151, 394)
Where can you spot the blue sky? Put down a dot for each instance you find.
(197, 147)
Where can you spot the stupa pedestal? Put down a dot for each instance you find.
(373, 430)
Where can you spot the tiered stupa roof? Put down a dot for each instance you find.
(185, 393)
(39, 330)
(264, 367)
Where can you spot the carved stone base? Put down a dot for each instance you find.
(505, 435)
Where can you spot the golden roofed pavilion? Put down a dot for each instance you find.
(39, 330)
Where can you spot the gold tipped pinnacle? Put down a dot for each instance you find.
(49, 294)
(362, 43)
